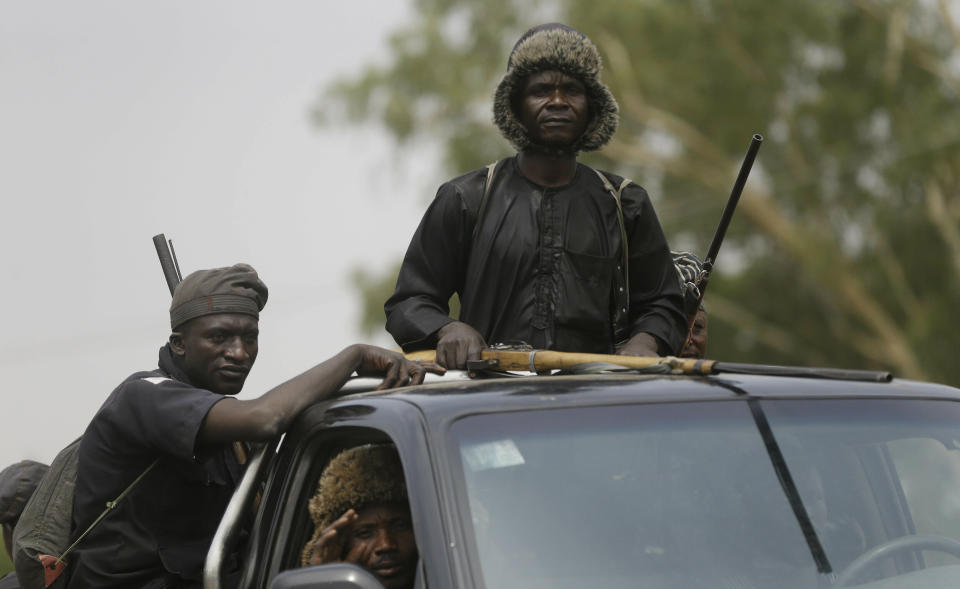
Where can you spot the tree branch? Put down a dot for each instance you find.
(924, 58)
(803, 246)
(948, 19)
(943, 220)
(896, 277)
(768, 334)
(895, 42)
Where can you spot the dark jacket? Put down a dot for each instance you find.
(160, 532)
(545, 265)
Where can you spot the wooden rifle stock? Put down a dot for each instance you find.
(541, 360)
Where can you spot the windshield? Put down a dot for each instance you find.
(697, 495)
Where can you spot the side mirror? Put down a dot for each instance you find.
(338, 575)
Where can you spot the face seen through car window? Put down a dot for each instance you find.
(381, 540)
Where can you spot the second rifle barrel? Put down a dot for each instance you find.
(734, 199)
(166, 262)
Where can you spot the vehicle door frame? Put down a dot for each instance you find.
(293, 472)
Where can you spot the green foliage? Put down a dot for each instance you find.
(846, 246)
(376, 289)
(5, 565)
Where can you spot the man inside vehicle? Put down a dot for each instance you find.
(176, 426)
(540, 248)
(361, 515)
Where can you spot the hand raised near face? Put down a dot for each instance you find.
(396, 370)
(329, 544)
(457, 342)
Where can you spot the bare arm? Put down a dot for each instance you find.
(270, 414)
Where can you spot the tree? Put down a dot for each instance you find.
(846, 245)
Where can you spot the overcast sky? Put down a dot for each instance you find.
(121, 120)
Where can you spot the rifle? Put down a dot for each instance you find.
(168, 261)
(721, 231)
(727, 216)
(531, 360)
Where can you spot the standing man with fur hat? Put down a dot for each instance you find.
(540, 248)
(177, 424)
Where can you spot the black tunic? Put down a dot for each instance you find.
(163, 528)
(544, 267)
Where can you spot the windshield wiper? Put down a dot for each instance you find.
(789, 487)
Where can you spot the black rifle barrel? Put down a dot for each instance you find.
(176, 264)
(169, 267)
(728, 210)
(802, 371)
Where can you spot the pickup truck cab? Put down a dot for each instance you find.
(625, 479)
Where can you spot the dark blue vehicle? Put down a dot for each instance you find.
(633, 480)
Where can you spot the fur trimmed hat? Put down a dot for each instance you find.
(354, 479)
(556, 46)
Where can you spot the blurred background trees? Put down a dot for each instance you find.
(845, 250)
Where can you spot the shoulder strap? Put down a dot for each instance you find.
(110, 506)
(491, 169)
(615, 192)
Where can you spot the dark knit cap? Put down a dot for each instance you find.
(17, 483)
(234, 289)
(556, 46)
(689, 269)
(354, 479)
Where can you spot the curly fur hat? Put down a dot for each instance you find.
(555, 46)
(355, 478)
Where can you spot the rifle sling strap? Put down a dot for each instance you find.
(110, 506)
(491, 169)
(616, 192)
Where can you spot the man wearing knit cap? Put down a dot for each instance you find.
(540, 248)
(182, 420)
(361, 515)
(689, 268)
(17, 483)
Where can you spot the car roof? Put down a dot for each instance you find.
(458, 394)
